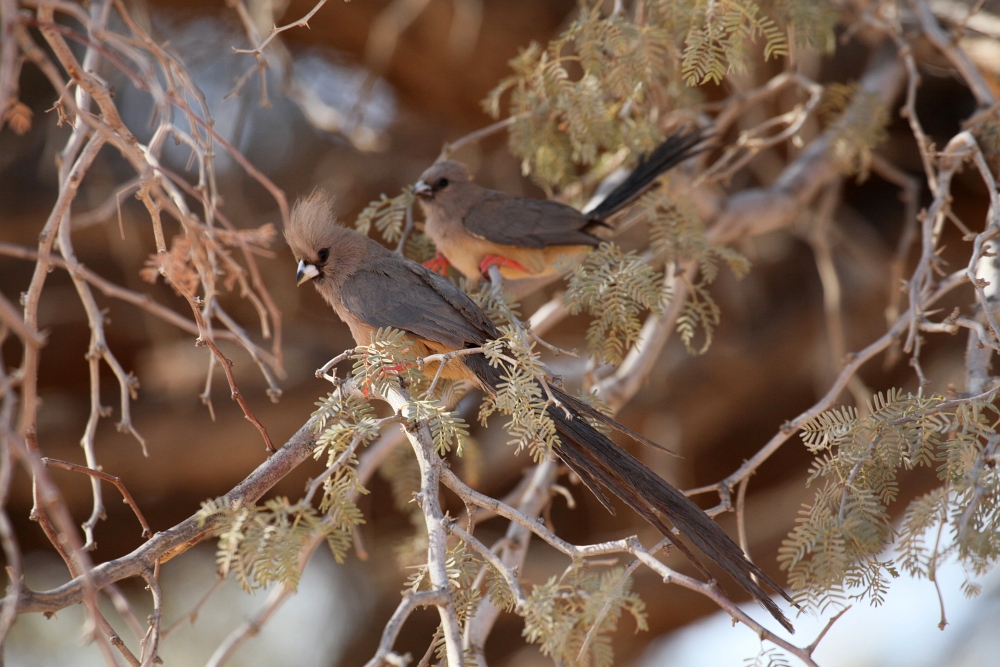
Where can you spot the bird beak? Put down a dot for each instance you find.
(421, 189)
(305, 273)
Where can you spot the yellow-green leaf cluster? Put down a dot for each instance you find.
(261, 545)
(499, 305)
(447, 428)
(856, 136)
(388, 214)
(419, 247)
(462, 567)
(572, 617)
(833, 553)
(813, 20)
(718, 39)
(342, 423)
(520, 395)
(604, 83)
(677, 236)
(768, 657)
(402, 472)
(615, 288)
(385, 361)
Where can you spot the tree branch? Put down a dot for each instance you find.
(176, 540)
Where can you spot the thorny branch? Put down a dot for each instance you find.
(174, 541)
(437, 550)
(85, 102)
(368, 463)
(807, 182)
(117, 481)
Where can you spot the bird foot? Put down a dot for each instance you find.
(398, 368)
(439, 264)
(382, 373)
(496, 260)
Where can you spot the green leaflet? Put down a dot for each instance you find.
(832, 555)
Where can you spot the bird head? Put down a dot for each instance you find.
(323, 248)
(441, 181)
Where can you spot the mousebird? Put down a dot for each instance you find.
(474, 227)
(370, 287)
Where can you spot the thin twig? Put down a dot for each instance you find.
(478, 135)
(857, 360)
(117, 481)
(275, 31)
(509, 576)
(442, 360)
(406, 607)
(407, 229)
(971, 74)
(192, 615)
(151, 642)
(227, 365)
(169, 543)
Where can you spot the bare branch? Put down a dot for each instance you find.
(970, 73)
(431, 470)
(275, 31)
(151, 642)
(176, 540)
(478, 135)
(410, 601)
(117, 481)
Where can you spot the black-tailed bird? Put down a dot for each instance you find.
(370, 287)
(474, 227)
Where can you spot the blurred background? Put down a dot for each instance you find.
(360, 103)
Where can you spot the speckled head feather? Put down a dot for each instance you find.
(317, 240)
(447, 186)
(310, 226)
(449, 170)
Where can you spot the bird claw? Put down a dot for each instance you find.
(496, 260)
(396, 369)
(439, 264)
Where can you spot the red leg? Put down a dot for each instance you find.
(398, 368)
(496, 260)
(439, 264)
(382, 372)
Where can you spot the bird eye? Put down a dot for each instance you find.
(442, 182)
(324, 254)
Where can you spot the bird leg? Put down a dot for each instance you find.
(496, 260)
(368, 384)
(439, 264)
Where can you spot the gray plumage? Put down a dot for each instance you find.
(370, 287)
(470, 225)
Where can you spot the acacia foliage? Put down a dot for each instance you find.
(580, 106)
(836, 552)
(605, 82)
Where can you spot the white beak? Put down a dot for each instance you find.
(421, 189)
(305, 273)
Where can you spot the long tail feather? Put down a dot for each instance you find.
(599, 462)
(642, 489)
(677, 148)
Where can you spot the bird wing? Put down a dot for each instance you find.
(528, 223)
(395, 292)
